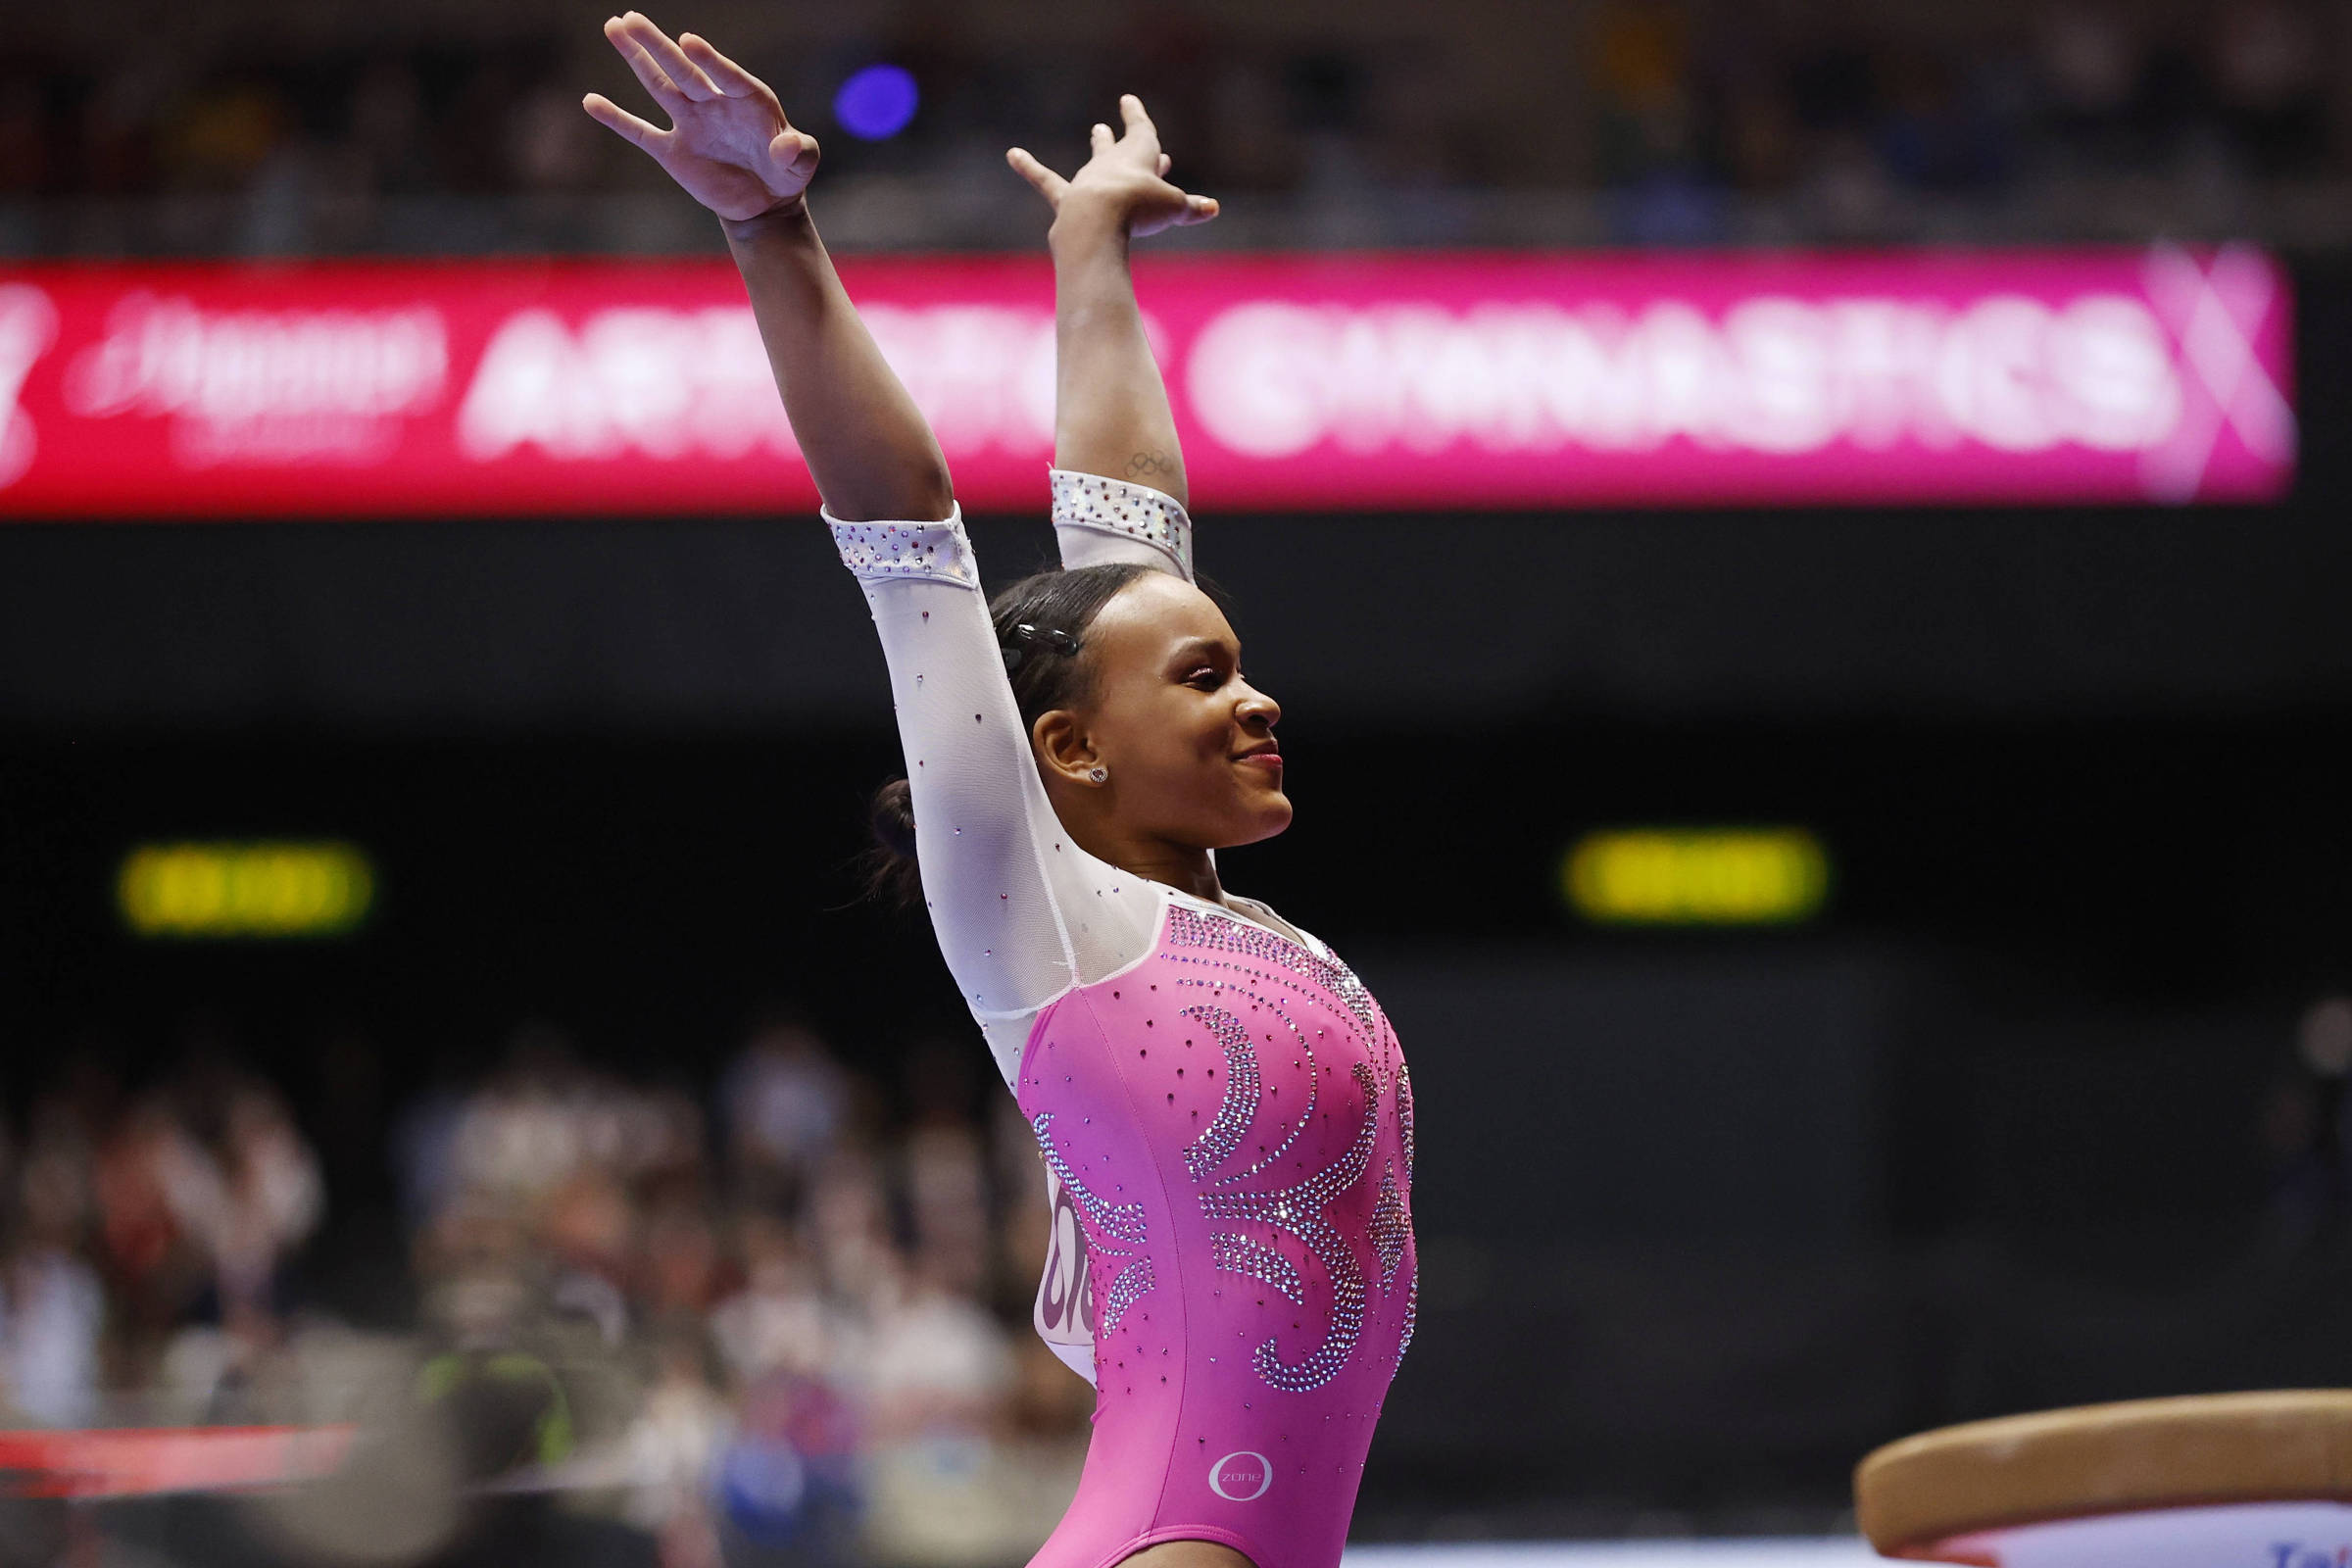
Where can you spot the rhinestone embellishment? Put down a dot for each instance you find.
(1388, 1227)
(1245, 1112)
(1223, 1135)
(1412, 1312)
(1110, 506)
(1300, 1211)
(1130, 1282)
(1239, 1254)
(1189, 929)
(1405, 1117)
(1119, 1229)
(879, 551)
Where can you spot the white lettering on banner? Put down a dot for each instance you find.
(264, 386)
(661, 383)
(983, 374)
(1774, 376)
(27, 326)
(668, 384)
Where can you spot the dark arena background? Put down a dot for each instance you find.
(1870, 908)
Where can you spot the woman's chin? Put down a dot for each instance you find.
(1267, 818)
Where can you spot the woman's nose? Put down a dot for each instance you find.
(1258, 708)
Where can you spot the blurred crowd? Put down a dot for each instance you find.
(2307, 1132)
(790, 1310)
(1671, 114)
(1856, 117)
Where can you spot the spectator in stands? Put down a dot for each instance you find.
(51, 1305)
(784, 1101)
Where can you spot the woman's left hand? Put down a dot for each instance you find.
(729, 144)
(1127, 177)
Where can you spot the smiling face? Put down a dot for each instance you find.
(1188, 743)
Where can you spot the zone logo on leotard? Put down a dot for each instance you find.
(1248, 1473)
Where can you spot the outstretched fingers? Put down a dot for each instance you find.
(642, 66)
(605, 112)
(663, 57)
(1139, 123)
(729, 77)
(1144, 134)
(1047, 183)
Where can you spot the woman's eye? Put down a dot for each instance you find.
(1204, 677)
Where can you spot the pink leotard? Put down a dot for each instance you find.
(1224, 1114)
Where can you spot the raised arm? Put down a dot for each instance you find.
(732, 149)
(1022, 913)
(1111, 414)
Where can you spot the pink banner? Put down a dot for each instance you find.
(1301, 383)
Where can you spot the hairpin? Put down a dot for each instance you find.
(1026, 638)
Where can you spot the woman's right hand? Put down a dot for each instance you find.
(729, 144)
(1126, 176)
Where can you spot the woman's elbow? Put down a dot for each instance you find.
(937, 495)
(919, 497)
(923, 495)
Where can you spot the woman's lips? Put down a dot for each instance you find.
(1272, 760)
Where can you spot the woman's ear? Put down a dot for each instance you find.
(1064, 743)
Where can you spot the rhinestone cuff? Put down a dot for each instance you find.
(879, 551)
(1136, 511)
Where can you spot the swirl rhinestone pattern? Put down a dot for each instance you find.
(1123, 1222)
(1187, 928)
(1405, 1117)
(1236, 1087)
(1132, 1281)
(1306, 1114)
(1301, 1212)
(1262, 962)
(1222, 1135)
(1090, 501)
(1117, 1223)
(1239, 1254)
(1389, 1226)
(877, 551)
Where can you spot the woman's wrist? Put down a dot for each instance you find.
(786, 219)
(1087, 222)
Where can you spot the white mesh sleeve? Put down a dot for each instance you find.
(1098, 521)
(1022, 913)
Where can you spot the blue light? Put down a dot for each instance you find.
(875, 103)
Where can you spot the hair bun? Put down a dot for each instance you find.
(892, 816)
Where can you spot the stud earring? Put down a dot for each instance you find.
(1098, 772)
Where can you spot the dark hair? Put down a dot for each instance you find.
(1041, 623)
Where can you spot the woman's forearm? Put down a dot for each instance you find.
(1110, 409)
(867, 446)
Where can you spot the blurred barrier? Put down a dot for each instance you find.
(1344, 382)
(140, 1463)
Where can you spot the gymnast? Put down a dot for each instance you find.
(1215, 1095)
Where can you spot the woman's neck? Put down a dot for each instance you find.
(1180, 866)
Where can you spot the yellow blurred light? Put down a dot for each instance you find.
(255, 890)
(1697, 876)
